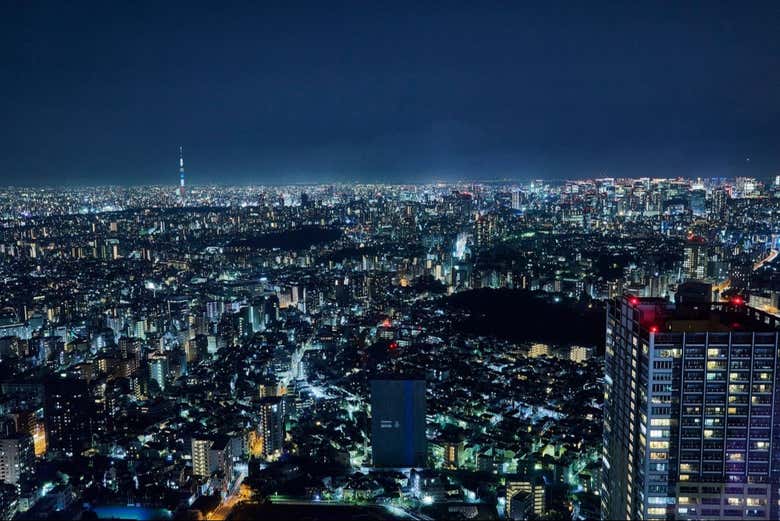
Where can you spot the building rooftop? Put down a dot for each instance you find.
(662, 316)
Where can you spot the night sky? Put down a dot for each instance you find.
(104, 93)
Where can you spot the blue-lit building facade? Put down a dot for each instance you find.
(398, 423)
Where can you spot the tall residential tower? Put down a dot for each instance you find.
(690, 426)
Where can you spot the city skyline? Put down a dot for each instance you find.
(175, 183)
(501, 261)
(229, 352)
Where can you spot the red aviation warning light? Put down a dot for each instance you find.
(737, 300)
(633, 301)
(654, 329)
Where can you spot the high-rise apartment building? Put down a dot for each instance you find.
(197, 348)
(525, 498)
(516, 200)
(67, 412)
(690, 426)
(211, 455)
(17, 457)
(536, 350)
(272, 425)
(158, 369)
(200, 456)
(695, 259)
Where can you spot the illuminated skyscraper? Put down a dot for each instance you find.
(690, 427)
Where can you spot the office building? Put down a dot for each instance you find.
(698, 202)
(398, 423)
